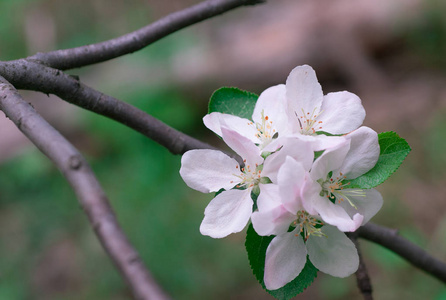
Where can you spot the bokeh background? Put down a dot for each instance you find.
(390, 53)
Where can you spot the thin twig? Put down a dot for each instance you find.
(414, 254)
(88, 190)
(362, 275)
(24, 74)
(131, 42)
(32, 76)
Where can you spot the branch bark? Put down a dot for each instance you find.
(33, 76)
(414, 254)
(136, 40)
(362, 275)
(29, 75)
(88, 190)
(41, 72)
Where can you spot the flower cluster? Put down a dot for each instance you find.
(299, 151)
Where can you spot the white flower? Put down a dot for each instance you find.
(301, 150)
(329, 196)
(297, 108)
(211, 170)
(269, 119)
(281, 206)
(312, 112)
(332, 253)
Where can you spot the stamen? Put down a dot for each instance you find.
(335, 189)
(309, 120)
(247, 177)
(264, 131)
(308, 225)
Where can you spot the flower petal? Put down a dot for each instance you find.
(303, 91)
(274, 221)
(286, 256)
(215, 121)
(363, 153)
(227, 213)
(322, 142)
(291, 178)
(342, 112)
(296, 148)
(335, 254)
(242, 146)
(310, 192)
(335, 215)
(271, 217)
(272, 102)
(269, 196)
(274, 145)
(330, 160)
(209, 170)
(367, 205)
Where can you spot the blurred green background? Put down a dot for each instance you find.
(394, 59)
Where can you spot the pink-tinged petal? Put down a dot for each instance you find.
(291, 178)
(342, 112)
(286, 256)
(303, 91)
(315, 143)
(227, 213)
(363, 153)
(367, 205)
(271, 217)
(310, 193)
(274, 144)
(274, 221)
(209, 170)
(272, 102)
(272, 165)
(243, 147)
(330, 160)
(322, 142)
(294, 147)
(269, 196)
(215, 121)
(334, 254)
(335, 215)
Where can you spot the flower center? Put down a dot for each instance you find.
(265, 132)
(308, 225)
(308, 122)
(249, 177)
(335, 190)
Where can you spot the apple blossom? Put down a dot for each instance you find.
(312, 112)
(328, 193)
(269, 119)
(211, 170)
(286, 255)
(305, 202)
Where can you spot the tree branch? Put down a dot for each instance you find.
(390, 239)
(362, 275)
(131, 42)
(88, 190)
(24, 74)
(33, 76)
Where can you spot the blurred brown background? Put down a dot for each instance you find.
(392, 54)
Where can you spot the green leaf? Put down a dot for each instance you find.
(393, 150)
(317, 154)
(233, 101)
(256, 247)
